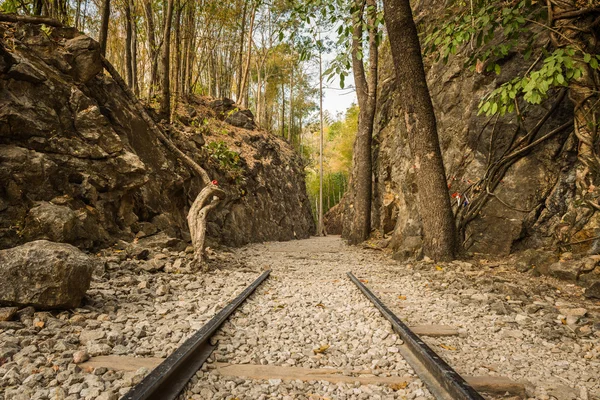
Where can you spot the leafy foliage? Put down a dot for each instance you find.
(558, 68)
(478, 27)
(227, 159)
(494, 30)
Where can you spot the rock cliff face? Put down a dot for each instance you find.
(533, 193)
(79, 165)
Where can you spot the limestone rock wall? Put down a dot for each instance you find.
(540, 183)
(79, 165)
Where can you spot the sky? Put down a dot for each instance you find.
(337, 100)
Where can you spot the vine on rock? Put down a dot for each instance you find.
(563, 37)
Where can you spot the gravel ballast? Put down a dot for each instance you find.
(511, 324)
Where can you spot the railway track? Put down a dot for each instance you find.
(168, 380)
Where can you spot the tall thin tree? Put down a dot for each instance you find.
(165, 101)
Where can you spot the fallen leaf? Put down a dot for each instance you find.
(479, 66)
(402, 297)
(439, 268)
(364, 280)
(398, 386)
(40, 324)
(445, 346)
(56, 368)
(321, 349)
(279, 306)
(320, 305)
(564, 321)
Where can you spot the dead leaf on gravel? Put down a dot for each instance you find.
(402, 297)
(320, 305)
(398, 386)
(321, 349)
(439, 268)
(445, 346)
(364, 280)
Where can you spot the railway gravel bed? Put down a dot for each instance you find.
(133, 308)
(510, 324)
(308, 314)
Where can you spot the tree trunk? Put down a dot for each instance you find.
(38, 7)
(134, 47)
(291, 110)
(244, 102)
(238, 87)
(321, 225)
(210, 191)
(165, 101)
(128, 44)
(366, 90)
(37, 3)
(104, 26)
(439, 232)
(177, 71)
(152, 50)
(282, 110)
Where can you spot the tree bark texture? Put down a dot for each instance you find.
(439, 232)
(152, 49)
(366, 92)
(104, 26)
(165, 100)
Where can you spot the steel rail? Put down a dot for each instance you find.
(166, 381)
(443, 381)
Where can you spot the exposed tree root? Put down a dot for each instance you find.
(209, 196)
(573, 25)
(522, 143)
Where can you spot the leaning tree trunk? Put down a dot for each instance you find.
(579, 27)
(439, 241)
(209, 196)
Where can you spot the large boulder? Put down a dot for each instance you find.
(229, 112)
(45, 275)
(52, 222)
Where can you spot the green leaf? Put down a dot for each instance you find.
(497, 70)
(587, 57)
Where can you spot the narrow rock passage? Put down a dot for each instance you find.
(308, 315)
